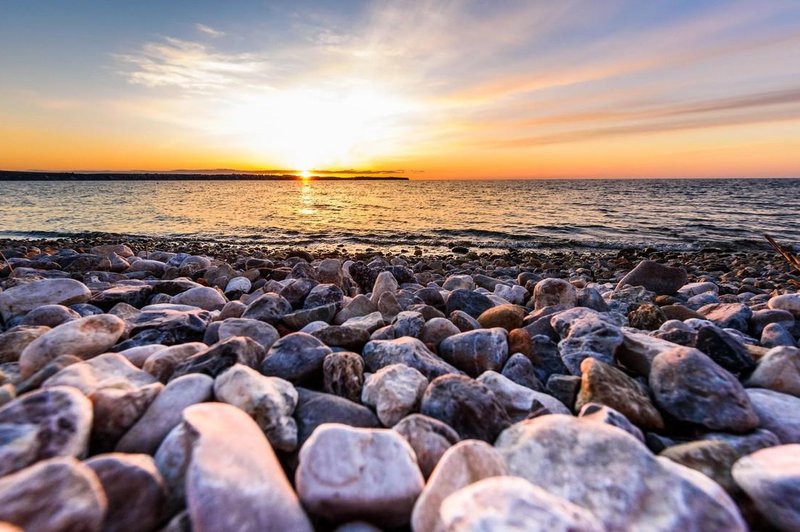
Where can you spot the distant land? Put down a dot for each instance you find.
(7, 175)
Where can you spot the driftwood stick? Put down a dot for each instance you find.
(787, 255)
(10, 267)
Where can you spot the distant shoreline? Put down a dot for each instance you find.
(156, 176)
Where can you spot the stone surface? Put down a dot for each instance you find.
(647, 317)
(263, 333)
(476, 351)
(435, 330)
(348, 473)
(472, 303)
(520, 369)
(779, 413)
(204, 297)
(713, 458)
(119, 391)
(779, 371)
(506, 503)
(408, 351)
(656, 277)
(343, 374)
(585, 333)
(517, 400)
(163, 362)
(605, 414)
(771, 477)
(270, 308)
(315, 408)
(222, 355)
(608, 472)
(164, 413)
(508, 317)
(232, 480)
(136, 493)
(43, 424)
(394, 391)
(429, 438)
(270, 401)
(49, 316)
(461, 465)
(728, 315)
(691, 387)
(83, 338)
(787, 302)
(26, 297)
(554, 292)
(56, 494)
(607, 385)
(724, 349)
(14, 341)
(638, 351)
(296, 357)
(466, 405)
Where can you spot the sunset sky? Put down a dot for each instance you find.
(461, 89)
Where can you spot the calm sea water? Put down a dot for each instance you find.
(678, 214)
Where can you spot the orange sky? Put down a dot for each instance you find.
(435, 89)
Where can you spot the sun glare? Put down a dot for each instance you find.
(305, 174)
(316, 128)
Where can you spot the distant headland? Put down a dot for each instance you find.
(7, 175)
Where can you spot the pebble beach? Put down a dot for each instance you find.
(183, 385)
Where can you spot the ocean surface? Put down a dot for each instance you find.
(599, 214)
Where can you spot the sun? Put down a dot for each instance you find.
(305, 174)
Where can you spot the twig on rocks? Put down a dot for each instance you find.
(10, 267)
(787, 254)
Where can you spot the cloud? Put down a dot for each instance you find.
(192, 66)
(208, 30)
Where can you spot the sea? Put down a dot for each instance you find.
(676, 214)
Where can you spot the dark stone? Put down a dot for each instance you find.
(724, 349)
(343, 375)
(655, 277)
(270, 308)
(429, 438)
(473, 303)
(296, 292)
(466, 405)
(521, 371)
(647, 317)
(564, 388)
(300, 318)
(546, 358)
(221, 356)
(678, 336)
(324, 294)
(432, 297)
(350, 338)
(476, 351)
(315, 408)
(296, 357)
(464, 321)
(176, 327)
(408, 351)
(134, 295)
(85, 309)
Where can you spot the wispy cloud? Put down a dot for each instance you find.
(208, 30)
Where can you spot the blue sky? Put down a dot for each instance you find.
(450, 89)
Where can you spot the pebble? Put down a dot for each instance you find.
(162, 363)
(461, 465)
(554, 293)
(429, 437)
(350, 473)
(471, 303)
(655, 277)
(55, 494)
(771, 478)
(263, 333)
(14, 341)
(476, 351)
(728, 315)
(394, 391)
(316, 408)
(584, 334)
(611, 474)
(296, 357)
(26, 297)
(725, 349)
(343, 374)
(270, 308)
(787, 302)
(49, 316)
(689, 386)
(778, 370)
(84, 338)
(517, 400)
(408, 351)
(605, 414)
(220, 356)
(778, 412)
(203, 297)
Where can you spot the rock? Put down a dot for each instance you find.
(787, 302)
(322, 295)
(49, 316)
(608, 472)
(476, 351)
(270, 308)
(389, 306)
(508, 317)
(14, 341)
(691, 387)
(775, 334)
(26, 297)
(237, 286)
(779, 413)
(230, 475)
(330, 271)
(43, 424)
(724, 349)
(745, 443)
(119, 391)
(762, 318)
(348, 473)
(679, 312)
(564, 388)
(466, 405)
(164, 413)
(501, 503)
(435, 330)
(429, 438)
(263, 333)
(771, 477)
(647, 317)
(136, 492)
(519, 369)
(301, 318)
(315, 408)
(585, 334)
(117, 249)
(163, 362)
(712, 458)
(222, 355)
(56, 494)
(554, 292)
(394, 391)
(370, 323)
(270, 401)
(343, 375)
(232, 309)
(463, 321)
(606, 385)
(728, 315)
(408, 351)
(139, 355)
(454, 282)
(461, 465)
(385, 282)
(135, 295)
(472, 303)
(350, 338)
(204, 297)
(514, 294)
(638, 351)
(778, 370)
(296, 357)
(655, 277)
(605, 414)
(84, 338)
(359, 306)
(517, 400)
(154, 267)
(408, 323)
(168, 326)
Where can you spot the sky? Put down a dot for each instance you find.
(426, 89)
